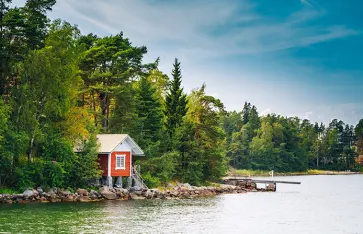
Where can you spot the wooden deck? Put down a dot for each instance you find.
(260, 181)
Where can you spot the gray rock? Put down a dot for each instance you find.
(174, 193)
(107, 194)
(35, 192)
(93, 196)
(28, 193)
(51, 191)
(136, 197)
(149, 194)
(137, 188)
(40, 190)
(185, 195)
(64, 193)
(83, 199)
(188, 186)
(82, 192)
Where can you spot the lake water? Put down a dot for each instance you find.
(321, 204)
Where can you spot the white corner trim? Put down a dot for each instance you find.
(109, 165)
(130, 162)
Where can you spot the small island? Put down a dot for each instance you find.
(77, 107)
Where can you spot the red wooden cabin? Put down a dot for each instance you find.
(115, 154)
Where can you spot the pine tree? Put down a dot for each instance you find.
(149, 113)
(176, 101)
(246, 112)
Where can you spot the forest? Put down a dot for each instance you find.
(59, 88)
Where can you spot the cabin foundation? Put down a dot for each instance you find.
(129, 182)
(118, 183)
(109, 181)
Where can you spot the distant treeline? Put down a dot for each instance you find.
(59, 88)
(284, 144)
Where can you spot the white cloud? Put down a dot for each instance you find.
(185, 31)
(306, 2)
(184, 28)
(308, 114)
(266, 112)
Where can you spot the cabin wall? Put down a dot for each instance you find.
(103, 161)
(121, 172)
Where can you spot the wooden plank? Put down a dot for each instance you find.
(275, 181)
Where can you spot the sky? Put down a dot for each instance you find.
(290, 57)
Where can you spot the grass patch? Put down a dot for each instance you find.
(245, 172)
(317, 172)
(9, 191)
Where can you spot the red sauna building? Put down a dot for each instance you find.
(116, 153)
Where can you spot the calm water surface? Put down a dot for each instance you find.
(321, 204)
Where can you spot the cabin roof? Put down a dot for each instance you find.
(108, 142)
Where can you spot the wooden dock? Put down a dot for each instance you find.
(261, 181)
(270, 185)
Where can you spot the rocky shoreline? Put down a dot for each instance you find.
(180, 191)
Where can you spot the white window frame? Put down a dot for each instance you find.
(121, 167)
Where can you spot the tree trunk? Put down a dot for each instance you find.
(94, 107)
(31, 149)
(104, 107)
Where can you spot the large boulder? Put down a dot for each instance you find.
(82, 192)
(94, 195)
(40, 190)
(134, 196)
(149, 194)
(36, 193)
(107, 194)
(83, 199)
(185, 194)
(43, 199)
(69, 198)
(28, 193)
(64, 193)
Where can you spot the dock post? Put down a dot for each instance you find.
(109, 181)
(129, 182)
(118, 183)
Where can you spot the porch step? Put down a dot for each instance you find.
(137, 177)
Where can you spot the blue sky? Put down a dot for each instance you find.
(292, 57)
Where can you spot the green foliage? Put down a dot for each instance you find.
(109, 63)
(59, 88)
(175, 101)
(9, 191)
(149, 114)
(359, 134)
(21, 29)
(86, 163)
(159, 170)
(40, 173)
(200, 140)
(53, 174)
(292, 145)
(151, 181)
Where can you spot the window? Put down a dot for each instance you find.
(120, 161)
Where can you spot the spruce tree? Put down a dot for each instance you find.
(149, 113)
(246, 112)
(176, 101)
